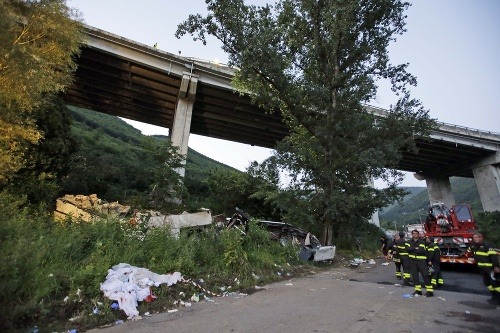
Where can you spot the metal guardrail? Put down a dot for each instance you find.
(454, 130)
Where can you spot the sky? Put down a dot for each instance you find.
(452, 47)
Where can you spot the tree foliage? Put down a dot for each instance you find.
(48, 161)
(38, 42)
(318, 62)
(489, 225)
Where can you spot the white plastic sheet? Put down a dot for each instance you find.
(129, 284)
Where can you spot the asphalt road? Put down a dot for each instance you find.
(458, 278)
(363, 299)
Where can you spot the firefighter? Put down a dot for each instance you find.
(394, 255)
(488, 264)
(434, 261)
(401, 246)
(417, 252)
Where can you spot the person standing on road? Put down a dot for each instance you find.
(402, 246)
(434, 261)
(394, 255)
(488, 264)
(417, 252)
(384, 247)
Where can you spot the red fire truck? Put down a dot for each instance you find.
(452, 229)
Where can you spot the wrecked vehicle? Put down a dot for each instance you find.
(285, 233)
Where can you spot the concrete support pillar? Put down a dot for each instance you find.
(375, 218)
(183, 113)
(487, 179)
(440, 190)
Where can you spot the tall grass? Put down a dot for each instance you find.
(52, 271)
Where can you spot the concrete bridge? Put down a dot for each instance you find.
(128, 79)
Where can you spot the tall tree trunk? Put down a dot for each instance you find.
(327, 235)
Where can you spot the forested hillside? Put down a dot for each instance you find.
(115, 160)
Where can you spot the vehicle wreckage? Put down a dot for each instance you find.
(310, 246)
(88, 208)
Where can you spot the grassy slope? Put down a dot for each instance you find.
(119, 129)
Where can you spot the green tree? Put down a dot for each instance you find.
(318, 62)
(48, 161)
(38, 42)
(489, 225)
(168, 189)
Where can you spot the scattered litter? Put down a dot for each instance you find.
(72, 330)
(173, 310)
(95, 310)
(385, 264)
(441, 298)
(118, 322)
(397, 284)
(289, 284)
(115, 306)
(147, 314)
(372, 262)
(391, 292)
(259, 287)
(467, 312)
(195, 298)
(408, 296)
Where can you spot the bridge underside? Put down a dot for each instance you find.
(117, 86)
(120, 87)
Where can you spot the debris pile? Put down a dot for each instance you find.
(85, 207)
